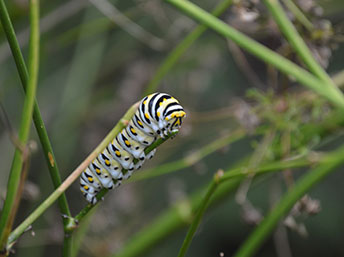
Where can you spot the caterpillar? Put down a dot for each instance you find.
(158, 115)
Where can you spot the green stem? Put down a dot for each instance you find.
(197, 219)
(75, 174)
(67, 245)
(181, 215)
(297, 42)
(39, 124)
(181, 48)
(70, 179)
(7, 215)
(171, 220)
(323, 88)
(221, 177)
(79, 234)
(191, 159)
(266, 168)
(298, 14)
(102, 192)
(265, 228)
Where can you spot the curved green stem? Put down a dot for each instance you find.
(324, 88)
(265, 228)
(9, 208)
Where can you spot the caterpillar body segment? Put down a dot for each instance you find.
(130, 145)
(110, 164)
(87, 188)
(141, 125)
(158, 115)
(101, 173)
(138, 135)
(91, 179)
(120, 155)
(90, 197)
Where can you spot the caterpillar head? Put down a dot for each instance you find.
(174, 120)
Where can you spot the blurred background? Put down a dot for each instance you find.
(97, 59)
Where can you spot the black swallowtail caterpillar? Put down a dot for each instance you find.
(158, 115)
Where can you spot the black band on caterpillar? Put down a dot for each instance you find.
(158, 115)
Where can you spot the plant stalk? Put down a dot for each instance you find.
(71, 178)
(8, 213)
(297, 42)
(323, 88)
(39, 124)
(181, 48)
(327, 165)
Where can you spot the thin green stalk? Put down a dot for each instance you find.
(67, 245)
(75, 174)
(7, 215)
(180, 215)
(323, 88)
(79, 234)
(297, 42)
(71, 178)
(181, 48)
(171, 220)
(86, 50)
(265, 228)
(221, 177)
(197, 219)
(266, 168)
(298, 14)
(191, 159)
(185, 162)
(39, 124)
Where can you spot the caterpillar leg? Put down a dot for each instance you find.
(138, 165)
(117, 182)
(91, 198)
(140, 162)
(127, 173)
(151, 154)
